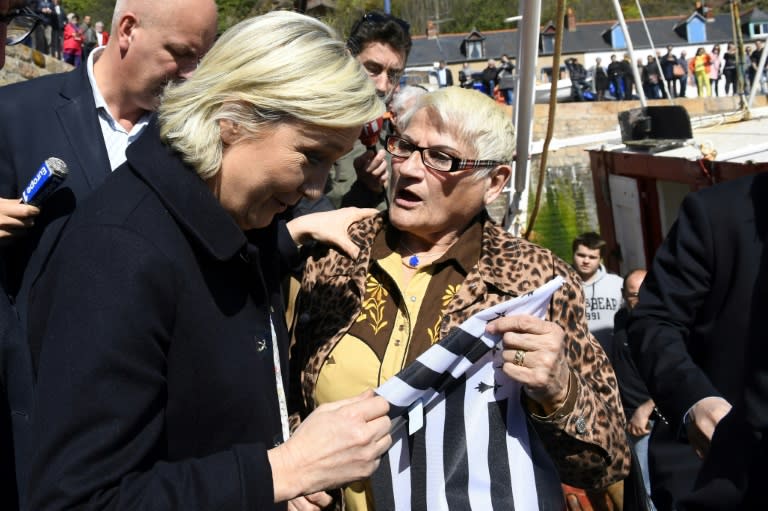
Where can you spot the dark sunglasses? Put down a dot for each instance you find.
(20, 23)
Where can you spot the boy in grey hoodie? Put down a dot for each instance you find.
(602, 290)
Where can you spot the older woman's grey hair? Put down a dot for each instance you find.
(473, 118)
(276, 68)
(405, 97)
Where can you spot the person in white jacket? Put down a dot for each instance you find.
(602, 290)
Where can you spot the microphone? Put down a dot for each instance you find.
(370, 133)
(47, 179)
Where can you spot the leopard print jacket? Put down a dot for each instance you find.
(588, 444)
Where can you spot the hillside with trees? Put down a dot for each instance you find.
(452, 15)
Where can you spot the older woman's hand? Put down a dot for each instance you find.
(329, 227)
(534, 355)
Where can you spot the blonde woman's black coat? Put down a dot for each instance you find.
(149, 324)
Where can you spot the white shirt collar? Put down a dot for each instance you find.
(97, 97)
(116, 137)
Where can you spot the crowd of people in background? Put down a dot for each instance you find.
(669, 74)
(64, 35)
(497, 81)
(665, 75)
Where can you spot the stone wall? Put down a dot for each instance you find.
(24, 63)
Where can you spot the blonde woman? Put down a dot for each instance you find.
(163, 353)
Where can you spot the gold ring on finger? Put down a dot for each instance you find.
(519, 357)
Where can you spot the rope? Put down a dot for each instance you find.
(551, 117)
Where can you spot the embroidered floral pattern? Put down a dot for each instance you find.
(434, 332)
(373, 305)
(450, 292)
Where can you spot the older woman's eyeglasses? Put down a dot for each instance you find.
(21, 23)
(433, 158)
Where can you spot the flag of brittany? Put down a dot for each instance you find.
(459, 432)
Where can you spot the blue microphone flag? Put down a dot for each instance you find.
(48, 177)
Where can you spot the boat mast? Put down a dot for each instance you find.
(631, 51)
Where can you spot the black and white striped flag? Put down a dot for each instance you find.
(466, 445)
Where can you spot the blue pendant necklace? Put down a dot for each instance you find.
(413, 261)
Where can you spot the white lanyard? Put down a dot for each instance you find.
(281, 400)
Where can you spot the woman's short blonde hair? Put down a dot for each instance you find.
(276, 68)
(473, 118)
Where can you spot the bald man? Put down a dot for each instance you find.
(639, 408)
(86, 117)
(89, 116)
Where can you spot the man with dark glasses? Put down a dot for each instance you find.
(381, 43)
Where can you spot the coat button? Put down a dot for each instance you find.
(581, 425)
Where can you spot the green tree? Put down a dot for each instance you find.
(98, 10)
(479, 14)
(348, 12)
(233, 11)
(564, 213)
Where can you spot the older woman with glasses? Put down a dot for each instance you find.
(429, 263)
(158, 328)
